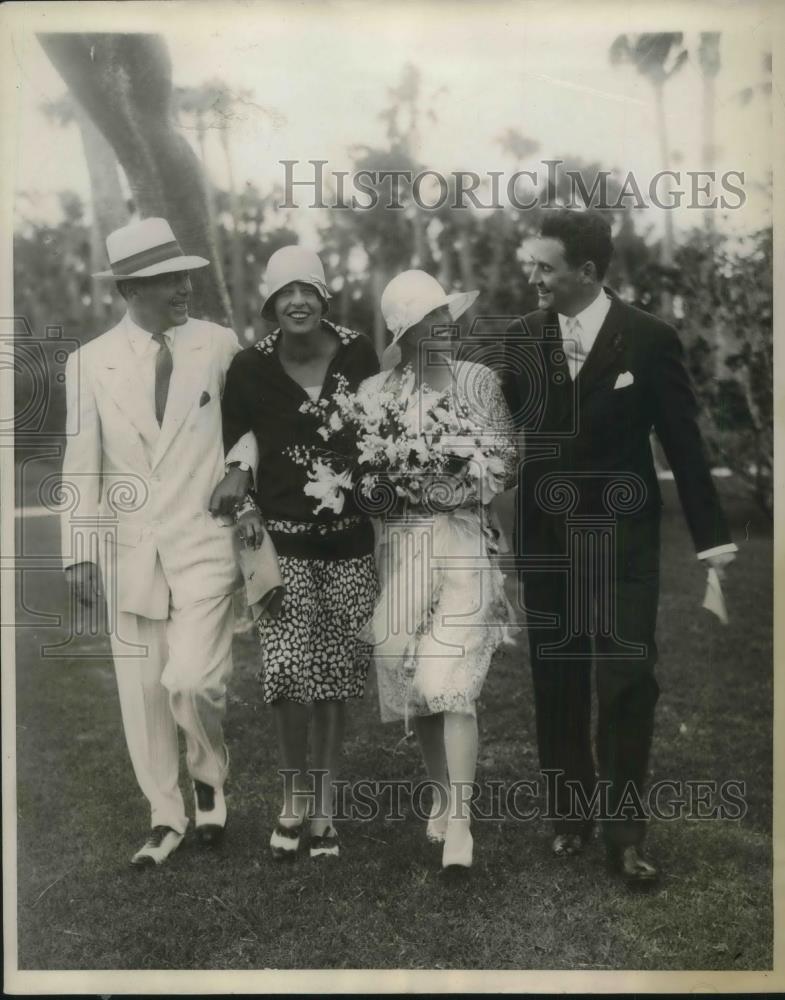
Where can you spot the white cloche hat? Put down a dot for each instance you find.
(290, 264)
(411, 295)
(145, 248)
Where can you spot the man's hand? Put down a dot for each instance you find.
(250, 528)
(719, 562)
(85, 581)
(229, 492)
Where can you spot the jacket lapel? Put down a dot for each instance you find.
(560, 390)
(119, 372)
(189, 359)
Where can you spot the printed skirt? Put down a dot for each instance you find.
(311, 652)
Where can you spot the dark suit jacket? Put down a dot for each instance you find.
(586, 443)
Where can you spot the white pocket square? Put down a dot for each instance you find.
(623, 380)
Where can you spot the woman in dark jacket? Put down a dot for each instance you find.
(310, 654)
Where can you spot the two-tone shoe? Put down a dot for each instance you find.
(210, 806)
(324, 845)
(161, 843)
(285, 841)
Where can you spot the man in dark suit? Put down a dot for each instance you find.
(594, 376)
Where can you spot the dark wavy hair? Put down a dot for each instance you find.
(585, 233)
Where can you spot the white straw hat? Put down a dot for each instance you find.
(146, 248)
(411, 295)
(290, 264)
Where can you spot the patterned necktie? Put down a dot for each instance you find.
(573, 347)
(163, 373)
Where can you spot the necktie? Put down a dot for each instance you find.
(573, 347)
(163, 373)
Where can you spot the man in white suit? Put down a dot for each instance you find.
(144, 454)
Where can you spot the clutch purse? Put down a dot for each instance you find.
(264, 588)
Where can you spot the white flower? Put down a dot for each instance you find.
(390, 449)
(327, 486)
(368, 448)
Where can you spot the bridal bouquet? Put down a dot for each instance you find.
(412, 444)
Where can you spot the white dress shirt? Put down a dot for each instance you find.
(146, 351)
(579, 334)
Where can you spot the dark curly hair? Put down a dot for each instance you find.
(586, 235)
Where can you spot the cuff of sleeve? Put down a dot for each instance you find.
(246, 504)
(718, 550)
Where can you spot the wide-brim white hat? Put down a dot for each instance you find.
(411, 295)
(145, 248)
(290, 264)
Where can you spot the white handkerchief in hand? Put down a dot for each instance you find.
(623, 380)
(714, 601)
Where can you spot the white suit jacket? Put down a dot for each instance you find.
(137, 494)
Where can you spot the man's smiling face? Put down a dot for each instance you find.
(560, 287)
(160, 302)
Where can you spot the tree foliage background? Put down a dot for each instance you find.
(133, 118)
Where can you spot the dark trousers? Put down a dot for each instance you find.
(588, 615)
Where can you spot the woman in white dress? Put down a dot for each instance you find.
(442, 612)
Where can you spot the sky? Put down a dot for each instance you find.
(320, 75)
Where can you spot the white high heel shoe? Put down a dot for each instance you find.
(458, 845)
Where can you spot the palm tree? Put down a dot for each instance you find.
(657, 57)
(224, 108)
(709, 62)
(194, 103)
(124, 83)
(520, 147)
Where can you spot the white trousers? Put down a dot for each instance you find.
(171, 673)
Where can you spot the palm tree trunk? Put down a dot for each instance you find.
(109, 208)
(124, 83)
(212, 212)
(238, 259)
(665, 158)
(667, 245)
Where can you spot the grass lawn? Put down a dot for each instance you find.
(384, 904)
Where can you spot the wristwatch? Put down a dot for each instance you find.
(242, 466)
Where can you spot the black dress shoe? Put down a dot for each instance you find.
(210, 814)
(565, 845)
(629, 862)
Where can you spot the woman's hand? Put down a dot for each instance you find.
(250, 528)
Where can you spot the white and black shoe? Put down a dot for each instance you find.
(162, 842)
(285, 841)
(325, 844)
(210, 814)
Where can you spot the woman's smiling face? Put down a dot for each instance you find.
(298, 308)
